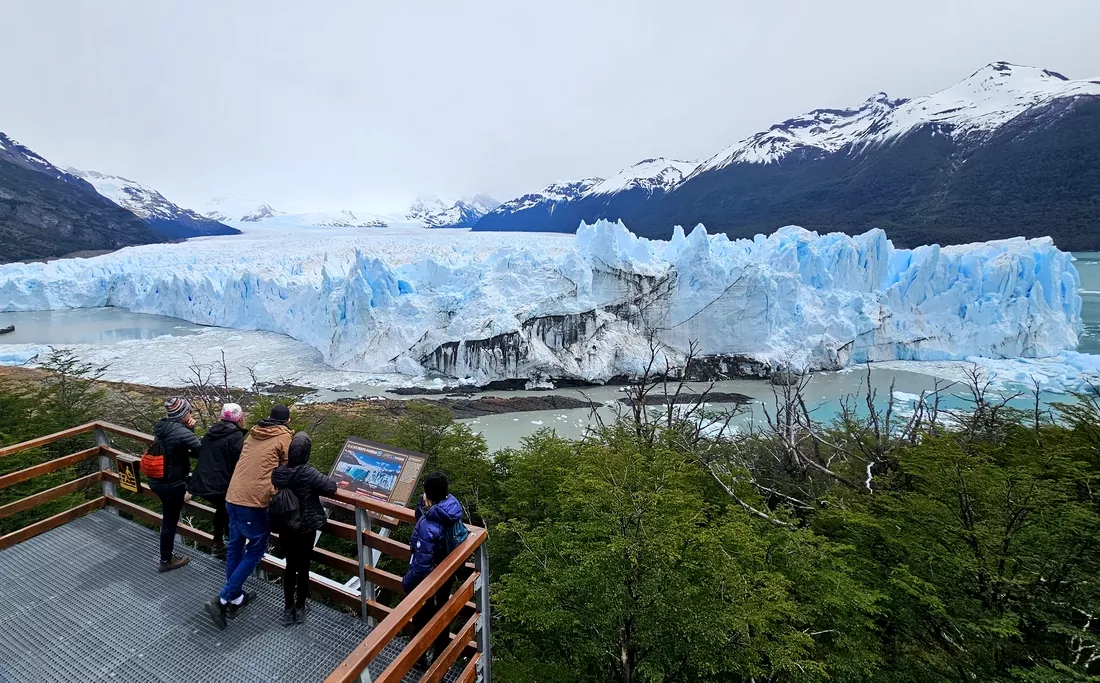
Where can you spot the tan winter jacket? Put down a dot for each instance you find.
(265, 449)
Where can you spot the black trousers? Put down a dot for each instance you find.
(221, 518)
(171, 501)
(297, 547)
(433, 605)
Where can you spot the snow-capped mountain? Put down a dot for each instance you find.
(434, 212)
(151, 206)
(239, 210)
(997, 154)
(650, 175)
(538, 210)
(426, 211)
(46, 211)
(13, 152)
(560, 207)
(972, 110)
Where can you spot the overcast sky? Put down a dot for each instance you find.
(364, 103)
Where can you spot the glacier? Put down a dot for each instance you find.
(590, 307)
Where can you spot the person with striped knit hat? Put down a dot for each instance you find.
(174, 436)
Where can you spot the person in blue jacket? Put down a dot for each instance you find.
(436, 511)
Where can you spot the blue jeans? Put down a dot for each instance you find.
(245, 524)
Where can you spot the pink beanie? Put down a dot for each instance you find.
(232, 412)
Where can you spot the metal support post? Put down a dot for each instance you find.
(366, 557)
(481, 586)
(101, 439)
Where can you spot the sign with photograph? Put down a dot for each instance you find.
(382, 472)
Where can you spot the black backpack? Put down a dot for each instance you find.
(285, 511)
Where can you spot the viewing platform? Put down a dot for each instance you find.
(81, 599)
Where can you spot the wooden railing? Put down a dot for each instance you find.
(470, 602)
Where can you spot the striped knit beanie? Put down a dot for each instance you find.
(177, 407)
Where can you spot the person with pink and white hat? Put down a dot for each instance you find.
(218, 455)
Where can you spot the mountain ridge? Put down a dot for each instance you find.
(164, 216)
(46, 211)
(820, 168)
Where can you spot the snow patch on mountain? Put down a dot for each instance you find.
(551, 194)
(138, 199)
(239, 210)
(588, 308)
(434, 212)
(651, 175)
(11, 150)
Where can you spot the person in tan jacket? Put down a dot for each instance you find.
(250, 492)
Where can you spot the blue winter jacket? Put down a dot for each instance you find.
(427, 543)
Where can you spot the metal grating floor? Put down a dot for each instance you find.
(84, 602)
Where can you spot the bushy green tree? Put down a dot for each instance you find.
(986, 553)
(636, 573)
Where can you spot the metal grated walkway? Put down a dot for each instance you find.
(84, 602)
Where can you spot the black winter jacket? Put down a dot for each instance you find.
(308, 484)
(221, 448)
(179, 444)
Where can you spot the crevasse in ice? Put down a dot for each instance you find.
(794, 298)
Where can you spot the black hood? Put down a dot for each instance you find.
(166, 426)
(300, 448)
(223, 428)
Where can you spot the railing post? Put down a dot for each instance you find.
(366, 590)
(481, 564)
(102, 440)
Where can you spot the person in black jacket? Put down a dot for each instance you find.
(221, 448)
(174, 435)
(308, 485)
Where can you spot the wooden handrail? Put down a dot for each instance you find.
(124, 431)
(450, 655)
(406, 659)
(384, 632)
(391, 621)
(204, 510)
(47, 467)
(50, 494)
(469, 674)
(46, 440)
(379, 577)
(57, 520)
(398, 512)
(387, 546)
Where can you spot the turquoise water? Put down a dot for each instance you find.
(89, 326)
(1088, 265)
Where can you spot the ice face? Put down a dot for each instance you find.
(588, 308)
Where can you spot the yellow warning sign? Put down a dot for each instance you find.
(129, 477)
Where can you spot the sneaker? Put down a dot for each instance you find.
(233, 610)
(218, 550)
(300, 613)
(290, 617)
(217, 611)
(176, 562)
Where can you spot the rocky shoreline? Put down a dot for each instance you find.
(463, 408)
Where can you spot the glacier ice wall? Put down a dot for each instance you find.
(794, 298)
